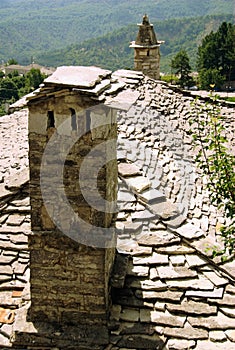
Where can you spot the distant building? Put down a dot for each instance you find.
(147, 50)
(25, 69)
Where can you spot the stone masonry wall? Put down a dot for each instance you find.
(69, 280)
(147, 60)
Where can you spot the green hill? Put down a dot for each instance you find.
(112, 50)
(28, 27)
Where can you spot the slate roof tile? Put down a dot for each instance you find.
(188, 300)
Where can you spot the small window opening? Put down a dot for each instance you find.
(148, 53)
(88, 120)
(73, 119)
(50, 119)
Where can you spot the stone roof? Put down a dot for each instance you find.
(168, 291)
(146, 36)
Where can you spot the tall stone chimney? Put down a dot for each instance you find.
(147, 50)
(72, 161)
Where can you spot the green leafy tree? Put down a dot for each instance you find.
(211, 76)
(11, 61)
(180, 64)
(8, 90)
(215, 159)
(33, 79)
(216, 55)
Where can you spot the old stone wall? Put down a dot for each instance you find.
(147, 60)
(69, 279)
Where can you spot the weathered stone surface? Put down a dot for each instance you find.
(192, 308)
(166, 296)
(230, 289)
(176, 344)
(226, 301)
(138, 270)
(7, 316)
(194, 260)
(141, 342)
(137, 328)
(125, 196)
(176, 222)
(176, 249)
(208, 345)
(177, 260)
(128, 169)
(138, 183)
(130, 315)
(148, 285)
(143, 215)
(158, 238)
(166, 319)
(190, 231)
(152, 196)
(15, 220)
(153, 273)
(228, 311)
(166, 210)
(231, 334)
(215, 278)
(216, 293)
(169, 272)
(217, 336)
(154, 259)
(77, 76)
(187, 332)
(213, 322)
(131, 226)
(200, 283)
(17, 181)
(6, 259)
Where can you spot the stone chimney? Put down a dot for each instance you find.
(147, 50)
(73, 185)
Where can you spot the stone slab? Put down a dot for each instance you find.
(192, 308)
(190, 231)
(220, 321)
(152, 196)
(79, 76)
(138, 183)
(158, 238)
(128, 169)
(187, 332)
(216, 293)
(169, 272)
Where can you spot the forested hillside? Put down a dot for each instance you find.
(112, 50)
(28, 27)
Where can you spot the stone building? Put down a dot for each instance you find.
(106, 227)
(160, 287)
(147, 50)
(68, 253)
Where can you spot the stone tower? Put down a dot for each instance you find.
(72, 242)
(147, 50)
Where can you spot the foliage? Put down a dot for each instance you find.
(210, 76)
(216, 56)
(11, 61)
(229, 99)
(15, 86)
(180, 64)
(31, 28)
(8, 89)
(170, 79)
(33, 79)
(217, 164)
(112, 50)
